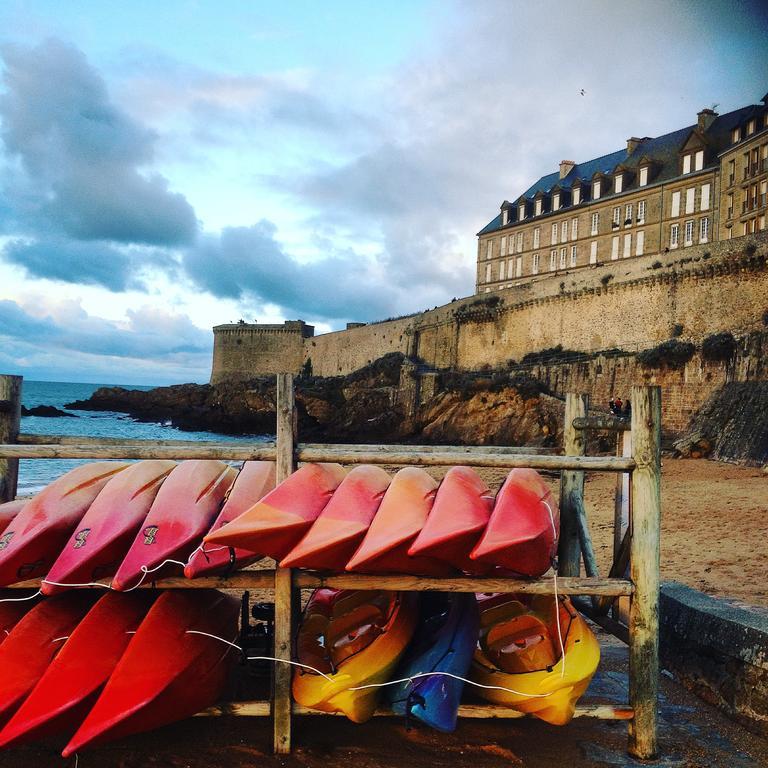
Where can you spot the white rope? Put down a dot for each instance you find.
(557, 599)
(59, 639)
(72, 584)
(21, 599)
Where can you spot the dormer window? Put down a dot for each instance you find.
(686, 163)
(521, 211)
(618, 183)
(698, 160)
(751, 127)
(537, 208)
(643, 176)
(576, 195)
(556, 201)
(596, 189)
(505, 217)
(736, 135)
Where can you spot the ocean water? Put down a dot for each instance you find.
(35, 474)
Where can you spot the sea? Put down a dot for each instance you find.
(35, 474)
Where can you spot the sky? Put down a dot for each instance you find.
(166, 167)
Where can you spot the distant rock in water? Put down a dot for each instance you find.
(46, 410)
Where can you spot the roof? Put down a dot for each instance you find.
(663, 151)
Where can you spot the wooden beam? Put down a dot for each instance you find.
(604, 423)
(644, 571)
(147, 450)
(256, 579)
(571, 486)
(10, 418)
(495, 450)
(613, 627)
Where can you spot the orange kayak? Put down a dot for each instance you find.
(277, 523)
(522, 532)
(68, 688)
(400, 518)
(10, 509)
(458, 518)
(33, 643)
(167, 673)
(35, 537)
(182, 512)
(255, 479)
(336, 534)
(105, 533)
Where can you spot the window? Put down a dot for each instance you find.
(537, 208)
(735, 135)
(574, 228)
(615, 247)
(593, 252)
(686, 163)
(690, 199)
(688, 233)
(704, 230)
(487, 273)
(643, 176)
(563, 231)
(519, 242)
(640, 243)
(616, 219)
(731, 172)
(627, 245)
(641, 212)
(628, 215)
(751, 127)
(699, 160)
(509, 269)
(505, 217)
(536, 237)
(618, 183)
(518, 266)
(674, 236)
(595, 223)
(729, 205)
(562, 257)
(576, 195)
(676, 203)
(535, 267)
(553, 260)
(489, 249)
(705, 197)
(555, 201)
(501, 270)
(520, 211)
(573, 255)
(553, 236)
(504, 245)
(596, 189)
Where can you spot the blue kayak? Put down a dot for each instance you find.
(445, 641)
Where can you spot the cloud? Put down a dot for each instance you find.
(81, 160)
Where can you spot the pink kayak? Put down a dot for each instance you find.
(183, 510)
(65, 693)
(341, 526)
(277, 523)
(35, 537)
(168, 672)
(401, 516)
(255, 479)
(103, 536)
(33, 643)
(10, 509)
(458, 518)
(521, 535)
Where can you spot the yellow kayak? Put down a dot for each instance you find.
(519, 649)
(354, 638)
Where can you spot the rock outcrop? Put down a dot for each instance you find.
(48, 411)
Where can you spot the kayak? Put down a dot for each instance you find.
(11, 612)
(341, 526)
(522, 532)
(103, 536)
(167, 672)
(255, 479)
(32, 644)
(445, 641)
(9, 510)
(68, 688)
(458, 518)
(35, 537)
(400, 518)
(276, 524)
(519, 649)
(181, 513)
(354, 638)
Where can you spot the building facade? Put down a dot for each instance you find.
(702, 183)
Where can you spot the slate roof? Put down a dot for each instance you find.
(663, 151)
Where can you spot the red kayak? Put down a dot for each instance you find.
(336, 534)
(183, 510)
(9, 510)
(12, 611)
(458, 518)
(33, 642)
(105, 533)
(521, 535)
(277, 523)
(255, 479)
(36, 536)
(166, 673)
(401, 516)
(65, 693)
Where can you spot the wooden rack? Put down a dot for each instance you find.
(638, 549)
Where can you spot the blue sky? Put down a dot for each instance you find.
(165, 167)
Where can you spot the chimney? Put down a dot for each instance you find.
(706, 118)
(566, 167)
(633, 142)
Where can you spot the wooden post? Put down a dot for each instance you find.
(10, 419)
(281, 696)
(571, 482)
(644, 572)
(622, 520)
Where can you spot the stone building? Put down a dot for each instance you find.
(699, 184)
